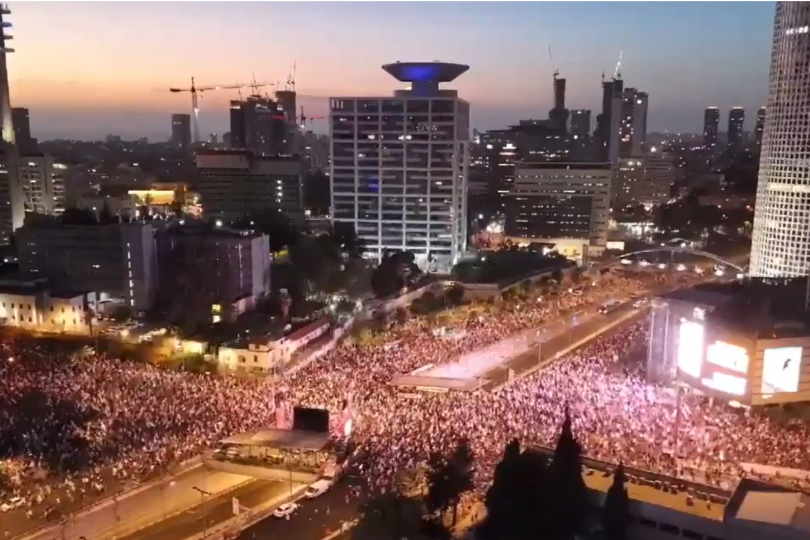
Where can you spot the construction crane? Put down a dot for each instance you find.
(555, 70)
(195, 109)
(617, 73)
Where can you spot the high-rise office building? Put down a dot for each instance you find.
(558, 116)
(608, 123)
(758, 130)
(736, 122)
(633, 125)
(236, 183)
(566, 204)
(781, 240)
(181, 131)
(580, 123)
(400, 165)
(22, 130)
(12, 207)
(711, 127)
(258, 126)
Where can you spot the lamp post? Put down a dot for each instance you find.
(202, 493)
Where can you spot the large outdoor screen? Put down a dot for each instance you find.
(690, 348)
(728, 356)
(780, 370)
(730, 384)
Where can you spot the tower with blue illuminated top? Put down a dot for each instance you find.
(400, 165)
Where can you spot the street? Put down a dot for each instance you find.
(211, 513)
(315, 518)
(138, 510)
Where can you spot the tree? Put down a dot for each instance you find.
(516, 501)
(460, 474)
(272, 222)
(344, 236)
(389, 517)
(615, 512)
(569, 503)
(395, 271)
(437, 498)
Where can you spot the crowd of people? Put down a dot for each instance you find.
(73, 424)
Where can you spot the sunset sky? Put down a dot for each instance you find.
(89, 69)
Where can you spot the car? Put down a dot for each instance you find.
(12, 504)
(285, 510)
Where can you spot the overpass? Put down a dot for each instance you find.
(674, 250)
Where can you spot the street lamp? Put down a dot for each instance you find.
(203, 493)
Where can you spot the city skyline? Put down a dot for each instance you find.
(93, 83)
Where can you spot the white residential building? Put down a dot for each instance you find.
(781, 240)
(400, 165)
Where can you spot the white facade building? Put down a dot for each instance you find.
(567, 204)
(781, 239)
(114, 260)
(32, 305)
(400, 165)
(43, 184)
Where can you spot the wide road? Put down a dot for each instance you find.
(315, 518)
(213, 512)
(127, 514)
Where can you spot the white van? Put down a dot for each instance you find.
(318, 488)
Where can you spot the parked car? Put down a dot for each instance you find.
(285, 510)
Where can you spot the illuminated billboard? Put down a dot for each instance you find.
(723, 382)
(728, 356)
(780, 370)
(690, 348)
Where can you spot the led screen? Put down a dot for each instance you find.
(730, 384)
(690, 348)
(728, 356)
(780, 370)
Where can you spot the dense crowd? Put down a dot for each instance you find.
(101, 420)
(96, 420)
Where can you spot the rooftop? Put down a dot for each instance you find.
(287, 439)
(766, 503)
(425, 71)
(775, 310)
(668, 492)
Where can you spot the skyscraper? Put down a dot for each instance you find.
(22, 130)
(711, 127)
(633, 124)
(181, 130)
(400, 165)
(607, 123)
(760, 127)
(736, 121)
(257, 125)
(12, 209)
(580, 123)
(781, 240)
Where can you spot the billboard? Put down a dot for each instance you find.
(780, 370)
(728, 356)
(690, 348)
(729, 384)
